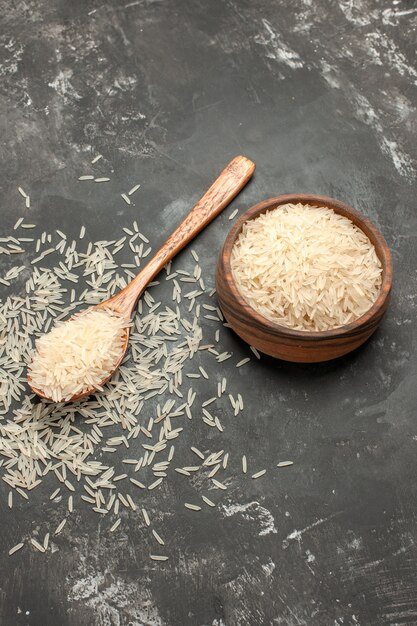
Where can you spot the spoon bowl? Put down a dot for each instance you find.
(85, 394)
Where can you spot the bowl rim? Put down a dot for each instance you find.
(364, 223)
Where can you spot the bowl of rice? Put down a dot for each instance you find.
(304, 278)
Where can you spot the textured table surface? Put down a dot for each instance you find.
(321, 95)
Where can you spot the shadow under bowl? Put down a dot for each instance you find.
(295, 345)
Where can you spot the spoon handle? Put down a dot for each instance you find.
(231, 180)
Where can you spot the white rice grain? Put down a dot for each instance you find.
(133, 190)
(15, 548)
(158, 538)
(192, 507)
(259, 474)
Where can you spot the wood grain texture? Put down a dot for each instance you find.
(228, 184)
(285, 343)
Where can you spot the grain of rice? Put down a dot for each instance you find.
(180, 470)
(158, 557)
(192, 507)
(19, 221)
(87, 499)
(115, 525)
(101, 180)
(22, 193)
(285, 463)
(27, 202)
(155, 484)
(146, 517)
(82, 232)
(259, 474)
(119, 477)
(240, 401)
(143, 237)
(158, 537)
(203, 372)
(243, 362)
(126, 198)
(130, 500)
(255, 352)
(218, 484)
(197, 452)
(111, 501)
(15, 548)
(96, 158)
(214, 470)
(86, 177)
(132, 191)
(244, 464)
(207, 501)
(37, 545)
(212, 317)
(233, 214)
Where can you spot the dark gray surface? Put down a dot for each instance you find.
(321, 95)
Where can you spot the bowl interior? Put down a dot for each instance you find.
(359, 220)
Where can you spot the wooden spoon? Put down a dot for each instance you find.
(231, 180)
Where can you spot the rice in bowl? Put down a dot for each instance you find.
(306, 267)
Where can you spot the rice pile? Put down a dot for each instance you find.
(78, 355)
(305, 267)
(114, 451)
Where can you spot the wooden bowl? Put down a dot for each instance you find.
(295, 345)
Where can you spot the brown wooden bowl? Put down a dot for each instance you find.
(280, 341)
